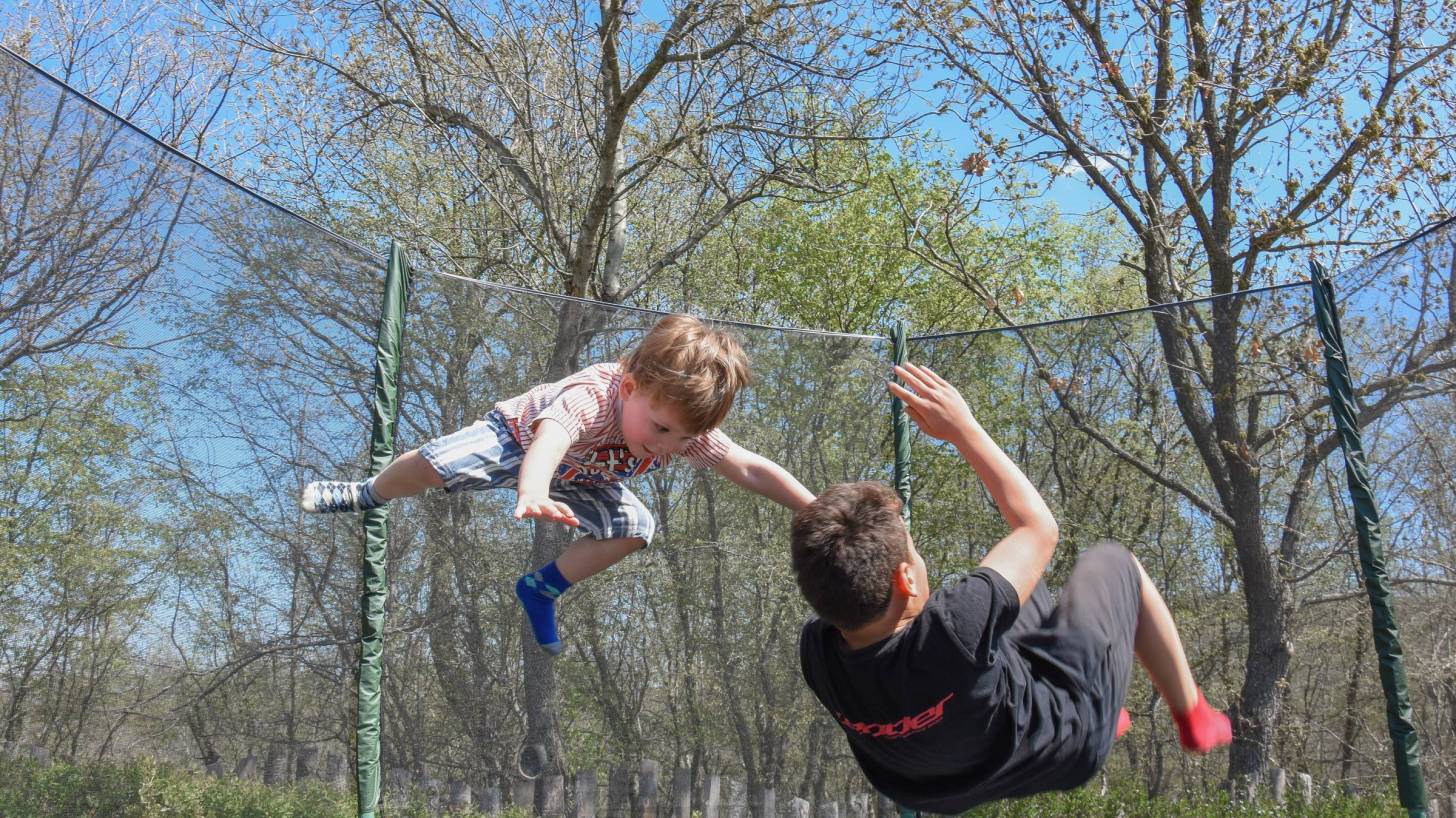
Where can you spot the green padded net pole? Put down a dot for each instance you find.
(901, 427)
(1403, 739)
(376, 525)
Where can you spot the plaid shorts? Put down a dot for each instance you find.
(485, 455)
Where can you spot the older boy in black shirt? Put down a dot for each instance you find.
(983, 690)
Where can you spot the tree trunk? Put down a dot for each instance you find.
(1214, 423)
(1268, 600)
(547, 542)
(737, 716)
(542, 700)
(1256, 715)
(458, 652)
(1352, 704)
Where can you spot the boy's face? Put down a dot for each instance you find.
(651, 427)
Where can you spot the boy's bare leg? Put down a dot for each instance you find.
(588, 556)
(1160, 651)
(539, 589)
(408, 475)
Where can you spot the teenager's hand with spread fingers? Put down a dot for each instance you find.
(1021, 557)
(935, 406)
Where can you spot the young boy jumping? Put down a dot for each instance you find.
(566, 446)
(982, 690)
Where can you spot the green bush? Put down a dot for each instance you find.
(1135, 803)
(145, 789)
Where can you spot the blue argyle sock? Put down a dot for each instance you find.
(538, 591)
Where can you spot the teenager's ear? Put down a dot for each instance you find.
(905, 580)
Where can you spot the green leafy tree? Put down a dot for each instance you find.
(80, 566)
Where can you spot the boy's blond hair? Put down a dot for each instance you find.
(695, 366)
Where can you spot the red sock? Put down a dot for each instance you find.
(1124, 723)
(1203, 728)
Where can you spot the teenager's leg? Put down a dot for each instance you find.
(1095, 624)
(1109, 600)
(1034, 612)
(1159, 649)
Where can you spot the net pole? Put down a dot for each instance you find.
(385, 410)
(1410, 780)
(900, 426)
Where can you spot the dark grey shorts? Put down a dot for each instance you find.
(1092, 627)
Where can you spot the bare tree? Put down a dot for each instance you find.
(580, 126)
(1223, 139)
(88, 207)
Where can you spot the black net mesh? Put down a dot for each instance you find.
(178, 357)
(686, 651)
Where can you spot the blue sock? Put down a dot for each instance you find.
(538, 591)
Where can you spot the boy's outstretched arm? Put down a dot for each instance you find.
(940, 411)
(762, 476)
(533, 486)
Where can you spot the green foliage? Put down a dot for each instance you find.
(1087, 802)
(65, 436)
(899, 240)
(81, 558)
(145, 789)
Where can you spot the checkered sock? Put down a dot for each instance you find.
(328, 496)
(538, 591)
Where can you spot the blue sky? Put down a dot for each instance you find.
(1068, 193)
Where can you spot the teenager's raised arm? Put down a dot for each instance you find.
(940, 411)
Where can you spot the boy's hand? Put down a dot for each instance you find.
(544, 508)
(935, 406)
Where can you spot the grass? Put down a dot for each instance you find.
(146, 789)
(1135, 803)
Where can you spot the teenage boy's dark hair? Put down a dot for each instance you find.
(845, 547)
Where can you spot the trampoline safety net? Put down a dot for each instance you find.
(150, 477)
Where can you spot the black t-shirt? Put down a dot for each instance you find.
(951, 712)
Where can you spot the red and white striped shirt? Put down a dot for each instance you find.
(588, 405)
